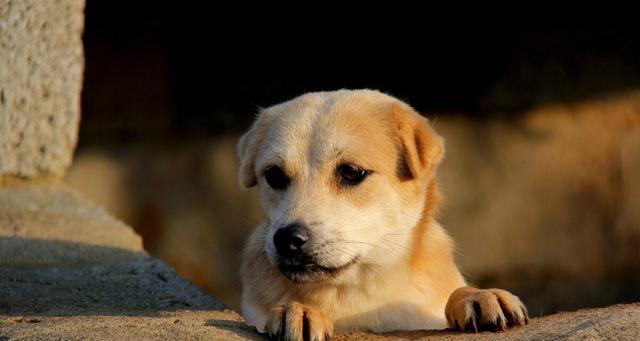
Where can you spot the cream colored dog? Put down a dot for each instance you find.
(347, 181)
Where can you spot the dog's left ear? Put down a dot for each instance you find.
(421, 147)
(247, 152)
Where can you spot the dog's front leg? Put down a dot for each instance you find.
(295, 321)
(474, 310)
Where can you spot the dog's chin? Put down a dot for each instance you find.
(309, 272)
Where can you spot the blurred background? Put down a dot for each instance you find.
(542, 124)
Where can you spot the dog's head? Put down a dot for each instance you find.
(342, 178)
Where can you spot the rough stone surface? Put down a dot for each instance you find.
(41, 64)
(179, 325)
(50, 225)
(619, 322)
(61, 256)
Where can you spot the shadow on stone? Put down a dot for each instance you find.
(61, 278)
(239, 328)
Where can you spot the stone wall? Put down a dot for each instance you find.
(41, 68)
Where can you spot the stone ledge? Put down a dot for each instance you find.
(61, 255)
(176, 325)
(619, 322)
(44, 224)
(70, 271)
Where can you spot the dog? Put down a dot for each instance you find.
(347, 180)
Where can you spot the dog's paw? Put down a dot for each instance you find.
(296, 321)
(474, 310)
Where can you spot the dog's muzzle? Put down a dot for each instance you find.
(294, 262)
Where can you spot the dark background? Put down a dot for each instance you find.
(541, 122)
(154, 69)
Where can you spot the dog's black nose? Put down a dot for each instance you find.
(289, 240)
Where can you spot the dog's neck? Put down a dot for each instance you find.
(431, 205)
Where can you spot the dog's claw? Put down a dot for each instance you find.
(485, 310)
(296, 321)
(526, 314)
(471, 326)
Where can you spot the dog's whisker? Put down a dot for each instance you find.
(357, 242)
(392, 248)
(254, 244)
(362, 258)
(346, 252)
(386, 247)
(433, 123)
(357, 230)
(395, 243)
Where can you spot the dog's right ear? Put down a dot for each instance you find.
(247, 151)
(422, 148)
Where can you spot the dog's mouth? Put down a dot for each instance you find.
(305, 271)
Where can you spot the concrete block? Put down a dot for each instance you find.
(41, 65)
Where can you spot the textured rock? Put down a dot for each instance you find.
(49, 225)
(40, 81)
(620, 322)
(180, 325)
(63, 256)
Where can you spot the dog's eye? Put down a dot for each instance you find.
(351, 175)
(276, 178)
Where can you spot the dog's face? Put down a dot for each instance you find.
(342, 179)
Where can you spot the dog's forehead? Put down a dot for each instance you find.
(327, 126)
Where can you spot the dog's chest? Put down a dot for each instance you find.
(377, 307)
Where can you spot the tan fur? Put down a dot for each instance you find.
(404, 273)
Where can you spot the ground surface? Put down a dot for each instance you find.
(70, 271)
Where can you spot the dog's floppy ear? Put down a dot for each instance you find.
(422, 148)
(247, 151)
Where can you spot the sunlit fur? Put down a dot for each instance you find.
(400, 270)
